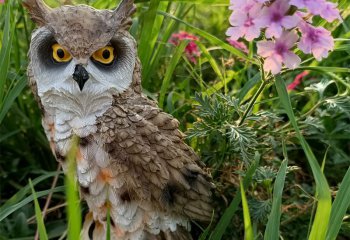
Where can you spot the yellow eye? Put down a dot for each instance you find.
(104, 55)
(60, 54)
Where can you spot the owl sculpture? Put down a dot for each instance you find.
(132, 160)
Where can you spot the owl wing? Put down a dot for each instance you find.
(159, 167)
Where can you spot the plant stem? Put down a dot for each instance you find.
(252, 102)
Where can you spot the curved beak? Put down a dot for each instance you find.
(80, 75)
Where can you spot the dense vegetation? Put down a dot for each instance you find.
(279, 158)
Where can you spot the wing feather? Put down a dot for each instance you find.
(161, 167)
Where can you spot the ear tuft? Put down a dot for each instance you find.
(38, 11)
(123, 13)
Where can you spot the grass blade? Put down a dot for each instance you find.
(169, 72)
(147, 39)
(339, 207)
(73, 206)
(319, 228)
(273, 224)
(211, 60)
(161, 48)
(248, 229)
(11, 209)
(225, 220)
(39, 216)
(5, 52)
(10, 205)
(325, 69)
(108, 233)
(11, 96)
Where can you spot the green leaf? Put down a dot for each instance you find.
(248, 86)
(273, 224)
(11, 96)
(319, 227)
(339, 207)
(325, 69)
(248, 229)
(108, 232)
(148, 33)
(161, 47)
(320, 87)
(170, 70)
(211, 60)
(73, 206)
(38, 215)
(7, 211)
(15, 203)
(5, 52)
(225, 220)
(341, 103)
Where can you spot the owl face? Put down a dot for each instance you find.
(80, 50)
(80, 59)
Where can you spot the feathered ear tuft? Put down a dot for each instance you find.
(123, 14)
(38, 11)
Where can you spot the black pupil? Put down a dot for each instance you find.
(106, 54)
(60, 53)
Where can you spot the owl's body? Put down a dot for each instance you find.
(131, 157)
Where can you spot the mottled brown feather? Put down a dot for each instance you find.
(148, 142)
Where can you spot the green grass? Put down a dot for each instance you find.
(242, 123)
(73, 201)
(38, 215)
(272, 231)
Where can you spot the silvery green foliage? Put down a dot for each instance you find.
(219, 116)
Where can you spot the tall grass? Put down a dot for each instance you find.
(243, 124)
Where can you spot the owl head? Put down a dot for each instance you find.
(78, 50)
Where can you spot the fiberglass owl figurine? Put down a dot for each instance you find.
(86, 76)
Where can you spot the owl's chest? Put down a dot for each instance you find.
(73, 112)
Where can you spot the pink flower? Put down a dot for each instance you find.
(274, 18)
(245, 22)
(242, 5)
(326, 10)
(191, 50)
(278, 52)
(239, 45)
(330, 12)
(315, 40)
(297, 80)
(2, 1)
(312, 5)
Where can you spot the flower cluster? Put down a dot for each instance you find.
(286, 24)
(191, 50)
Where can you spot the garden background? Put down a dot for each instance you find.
(277, 146)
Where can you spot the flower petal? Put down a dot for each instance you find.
(291, 60)
(252, 32)
(234, 32)
(319, 53)
(272, 64)
(288, 38)
(266, 48)
(290, 21)
(274, 30)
